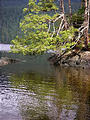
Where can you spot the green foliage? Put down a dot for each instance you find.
(36, 39)
(89, 45)
(78, 17)
(65, 40)
(81, 10)
(42, 5)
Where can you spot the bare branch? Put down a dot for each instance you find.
(79, 36)
(49, 26)
(61, 15)
(53, 29)
(60, 26)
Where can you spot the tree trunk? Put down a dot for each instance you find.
(62, 6)
(63, 12)
(70, 9)
(86, 22)
(88, 13)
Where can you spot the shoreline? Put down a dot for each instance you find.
(80, 59)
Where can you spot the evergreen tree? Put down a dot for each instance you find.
(43, 28)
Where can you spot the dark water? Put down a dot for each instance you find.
(35, 90)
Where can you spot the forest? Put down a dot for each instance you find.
(10, 13)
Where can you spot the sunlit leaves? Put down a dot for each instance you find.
(34, 38)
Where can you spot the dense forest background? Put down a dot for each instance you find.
(11, 13)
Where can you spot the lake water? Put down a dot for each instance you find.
(35, 90)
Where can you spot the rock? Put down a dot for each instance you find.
(75, 59)
(6, 60)
(81, 60)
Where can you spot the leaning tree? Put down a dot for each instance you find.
(43, 28)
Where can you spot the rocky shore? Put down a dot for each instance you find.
(73, 59)
(6, 60)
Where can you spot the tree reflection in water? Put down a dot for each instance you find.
(77, 95)
(65, 96)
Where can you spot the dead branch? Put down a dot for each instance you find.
(61, 15)
(60, 27)
(53, 29)
(49, 26)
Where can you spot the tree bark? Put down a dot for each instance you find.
(88, 13)
(70, 9)
(63, 12)
(86, 22)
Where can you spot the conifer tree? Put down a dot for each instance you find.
(41, 31)
(44, 28)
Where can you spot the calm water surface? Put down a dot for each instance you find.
(35, 90)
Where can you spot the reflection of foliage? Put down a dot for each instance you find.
(65, 95)
(33, 82)
(81, 11)
(40, 90)
(77, 89)
(71, 92)
(43, 88)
